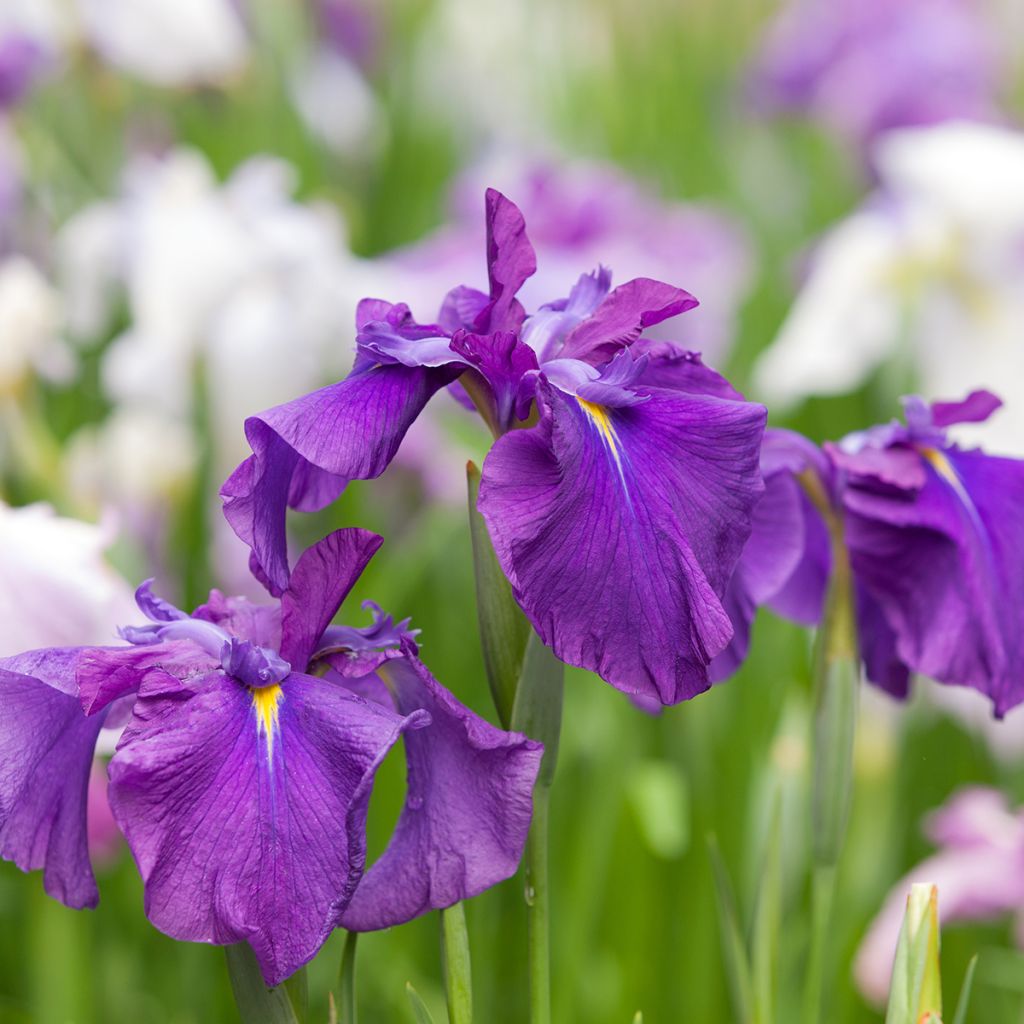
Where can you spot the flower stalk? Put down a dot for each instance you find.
(527, 682)
(538, 713)
(836, 676)
(458, 975)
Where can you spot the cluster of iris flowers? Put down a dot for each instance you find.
(640, 512)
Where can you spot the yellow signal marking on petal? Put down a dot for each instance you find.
(599, 416)
(938, 461)
(266, 701)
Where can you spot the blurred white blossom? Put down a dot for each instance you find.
(928, 274)
(168, 42)
(56, 589)
(30, 315)
(235, 281)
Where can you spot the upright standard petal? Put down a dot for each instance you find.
(618, 321)
(306, 451)
(620, 528)
(245, 809)
(467, 809)
(510, 261)
(46, 753)
(322, 578)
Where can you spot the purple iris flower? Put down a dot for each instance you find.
(22, 58)
(934, 533)
(864, 68)
(243, 776)
(619, 488)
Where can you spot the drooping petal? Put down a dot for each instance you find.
(321, 580)
(467, 810)
(306, 451)
(946, 565)
(46, 753)
(245, 810)
(619, 530)
(877, 641)
(626, 311)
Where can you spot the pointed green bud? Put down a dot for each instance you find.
(915, 995)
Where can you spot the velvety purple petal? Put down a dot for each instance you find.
(258, 623)
(467, 810)
(388, 333)
(618, 321)
(461, 308)
(802, 597)
(306, 451)
(975, 408)
(546, 330)
(947, 567)
(106, 674)
(245, 814)
(898, 468)
(510, 261)
(741, 609)
(46, 752)
(55, 666)
(619, 530)
(882, 663)
(616, 385)
(772, 555)
(321, 580)
(156, 608)
(502, 360)
(671, 366)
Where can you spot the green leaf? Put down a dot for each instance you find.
(504, 630)
(960, 1017)
(736, 961)
(256, 1003)
(458, 975)
(767, 923)
(419, 1008)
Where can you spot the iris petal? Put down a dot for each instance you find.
(620, 529)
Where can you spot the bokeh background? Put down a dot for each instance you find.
(194, 194)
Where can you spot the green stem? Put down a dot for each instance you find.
(347, 981)
(836, 680)
(538, 905)
(823, 888)
(458, 974)
(538, 713)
